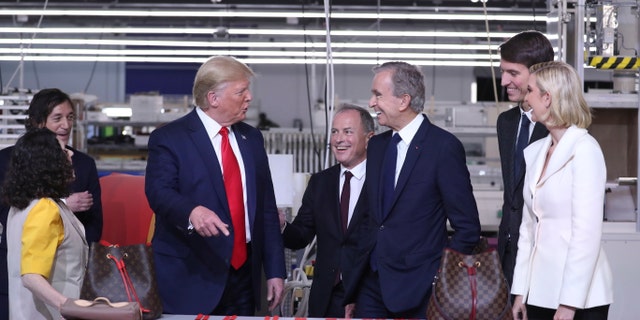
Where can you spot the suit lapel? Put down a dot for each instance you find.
(203, 144)
(333, 189)
(534, 155)
(358, 211)
(563, 153)
(375, 161)
(539, 131)
(510, 132)
(413, 154)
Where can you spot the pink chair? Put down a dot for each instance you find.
(127, 217)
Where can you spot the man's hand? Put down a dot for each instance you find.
(207, 223)
(79, 201)
(283, 219)
(349, 310)
(275, 288)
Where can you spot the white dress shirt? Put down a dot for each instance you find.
(213, 132)
(406, 134)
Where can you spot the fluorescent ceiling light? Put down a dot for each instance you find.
(323, 61)
(248, 44)
(273, 14)
(240, 53)
(259, 31)
(361, 46)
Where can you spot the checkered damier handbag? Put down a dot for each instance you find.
(470, 287)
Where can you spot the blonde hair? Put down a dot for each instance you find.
(214, 74)
(568, 106)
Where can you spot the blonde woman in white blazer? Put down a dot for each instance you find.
(561, 269)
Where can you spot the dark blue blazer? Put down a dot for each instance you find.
(509, 232)
(86, 179)
(319, 215)
(433, 186)
(182, 173)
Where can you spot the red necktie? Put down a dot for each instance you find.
(233, 187)
(344, 200)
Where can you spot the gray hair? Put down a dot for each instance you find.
(365, 116)
(407, 79)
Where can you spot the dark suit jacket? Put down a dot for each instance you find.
(507, 127)
(319, 216)
(182, 173)
(433, 186)
(86, 179)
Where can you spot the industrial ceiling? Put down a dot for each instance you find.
(200, 18)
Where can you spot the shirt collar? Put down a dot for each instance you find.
(212, 126)
(409, 131)
(528, 114)
(358, 171)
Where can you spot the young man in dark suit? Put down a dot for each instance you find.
(516, 56)
(209, 184)
(324, 200)
(417, 180)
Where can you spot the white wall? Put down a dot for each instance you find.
(107, 82)
(623, 252)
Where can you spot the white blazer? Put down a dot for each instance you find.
(560, 258)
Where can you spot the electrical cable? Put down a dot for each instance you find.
(533, 11)
(330, 87)
(20, 66)
(35, 74)
(93, 69)
(378, 34)
(1, 82)
(432, 100)
(493, 71)
(299, 283)
(622, 45)
(314, 143)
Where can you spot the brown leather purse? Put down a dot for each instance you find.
(470, 287)
(100, 309)
(123, 273)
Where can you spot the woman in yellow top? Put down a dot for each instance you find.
(47, 249)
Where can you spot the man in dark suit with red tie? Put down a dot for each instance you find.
(333, 206)
(427, 185)
(516, 56)
(209, 184)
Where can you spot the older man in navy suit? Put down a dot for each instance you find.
(417, 180)
(208, 181)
